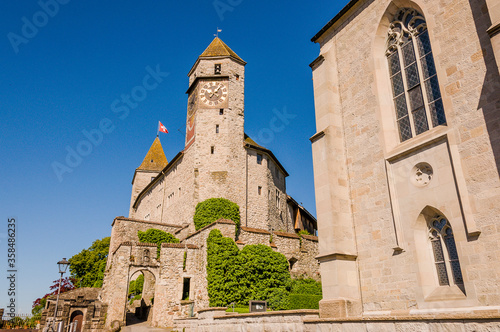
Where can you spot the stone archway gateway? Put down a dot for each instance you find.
(140, 295)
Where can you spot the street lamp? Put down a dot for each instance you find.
(63, 266)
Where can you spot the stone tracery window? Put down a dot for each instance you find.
(441, 236)
(415, 86)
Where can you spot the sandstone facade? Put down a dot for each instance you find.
(380, 194)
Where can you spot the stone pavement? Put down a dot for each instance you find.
(136, 325)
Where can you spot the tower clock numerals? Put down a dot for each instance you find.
(213, 93)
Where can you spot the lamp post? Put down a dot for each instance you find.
(63, 266)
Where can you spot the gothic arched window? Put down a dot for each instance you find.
(415, 87)
(441, 236)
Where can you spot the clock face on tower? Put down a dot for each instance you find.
(213, 93)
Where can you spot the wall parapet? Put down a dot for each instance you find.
(219, 221)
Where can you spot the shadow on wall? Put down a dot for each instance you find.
(490, 93)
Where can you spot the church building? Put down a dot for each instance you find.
(406, 164)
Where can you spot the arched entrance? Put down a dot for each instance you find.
(140, 296)
(76, 321)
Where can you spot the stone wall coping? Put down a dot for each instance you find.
(219, 221)
(309, 237)
(145, 244)
(213, 309)
(298, 312)
(255, 230)
(179, 245)
(145, 222)
(395, 316)
(290, 235)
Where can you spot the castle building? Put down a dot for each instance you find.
(218, 160)
(406, 164)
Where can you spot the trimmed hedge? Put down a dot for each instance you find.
(213, 209)
(305, 286)
(157, 236)
(304, 301)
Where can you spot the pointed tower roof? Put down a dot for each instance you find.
(155, 159)
(218, 48)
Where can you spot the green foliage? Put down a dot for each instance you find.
(304, 301)
(213, 209)
(223, 286)
(37, 309)
(184, 261)
(157, 236)
(131, 287)
(135, 286)
(139, 284)
(304, 231)
(254, 273)
(137, 297)
(305, 294)
(305, 286)
(87, 267)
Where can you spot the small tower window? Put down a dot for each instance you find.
(212, 149)
(216, 129)
(259, 159)
(237, 77)
(221, 111)
(217, 69)
(259, 189)
(185, 289)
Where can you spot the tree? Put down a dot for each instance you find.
(87, 267)
(67, 284)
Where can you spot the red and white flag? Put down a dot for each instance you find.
(162, 128)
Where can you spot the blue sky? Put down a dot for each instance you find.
(61, 74)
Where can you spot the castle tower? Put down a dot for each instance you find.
(215, 119)
(152, 164)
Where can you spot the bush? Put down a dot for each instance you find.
(157, 236)
(305, 286)
(304, 301)
(254, 273)
(213, 209)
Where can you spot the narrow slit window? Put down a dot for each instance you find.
(185, 289)
(216, 129)
(212, 149)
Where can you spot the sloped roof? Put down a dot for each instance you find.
(218, 48)
(251, 144)
(155, 159)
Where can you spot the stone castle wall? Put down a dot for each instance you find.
(125, 229)
(367, 205)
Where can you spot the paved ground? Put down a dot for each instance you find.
(136, 325)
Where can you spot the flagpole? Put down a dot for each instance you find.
(158, 131)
